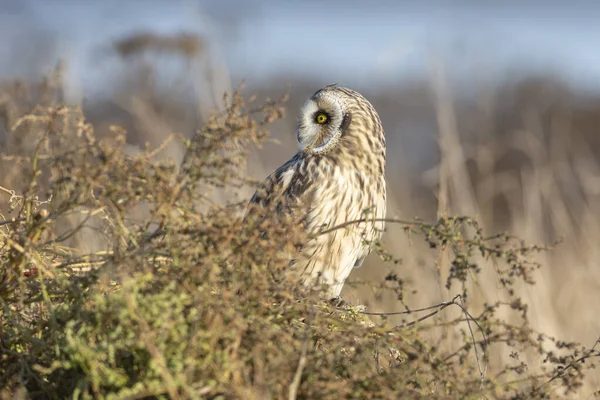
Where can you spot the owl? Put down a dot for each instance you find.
(337, 176)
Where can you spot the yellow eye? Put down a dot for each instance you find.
(321, 118)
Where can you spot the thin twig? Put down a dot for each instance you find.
(9, 191)
(377, 364)
(469, 318)
(293, 392)
(588, 354)
(385, 314)
(358, 221)
(458, 301)
(11, 221)
(440, 307)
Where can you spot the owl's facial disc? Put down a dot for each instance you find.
(320, 123)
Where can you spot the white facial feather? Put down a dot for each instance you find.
(309, 131)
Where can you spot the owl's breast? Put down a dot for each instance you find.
(342, 195)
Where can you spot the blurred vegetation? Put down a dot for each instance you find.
(127, 274)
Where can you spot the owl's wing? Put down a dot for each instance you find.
(360, 260)
(366, 250)
(281, 188)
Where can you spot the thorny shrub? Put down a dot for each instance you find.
(186, 302)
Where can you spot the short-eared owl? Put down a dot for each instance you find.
(337, 176)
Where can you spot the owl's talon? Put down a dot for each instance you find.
(342, 304)
(338, 302)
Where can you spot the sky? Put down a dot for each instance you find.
(364, 42)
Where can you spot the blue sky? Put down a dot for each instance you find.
(365, 42)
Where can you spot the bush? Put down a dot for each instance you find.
(181, 300)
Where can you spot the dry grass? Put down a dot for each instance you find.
(126, 272)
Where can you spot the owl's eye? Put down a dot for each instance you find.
(321, 118)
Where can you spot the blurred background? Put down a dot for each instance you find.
(491, 109)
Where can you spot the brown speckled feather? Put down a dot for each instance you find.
(338, 175)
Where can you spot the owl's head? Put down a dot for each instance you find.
(328, 116)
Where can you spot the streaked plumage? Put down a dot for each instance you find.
(337, 175)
